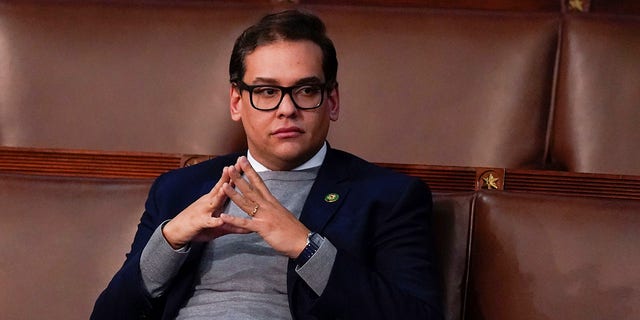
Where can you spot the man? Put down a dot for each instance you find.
(291, 229)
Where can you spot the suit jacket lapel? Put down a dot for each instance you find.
(327, 194)
(325, 198)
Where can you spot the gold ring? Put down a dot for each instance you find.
(255, 210)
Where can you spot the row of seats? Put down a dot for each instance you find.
(444, 87)
(494, 89)
(503, 255)
(509, 255)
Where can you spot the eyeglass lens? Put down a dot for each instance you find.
(304, 97)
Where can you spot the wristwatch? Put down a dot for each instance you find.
(314, 240)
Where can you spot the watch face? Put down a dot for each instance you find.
(315, 238)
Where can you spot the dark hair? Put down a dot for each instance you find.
(286, 25)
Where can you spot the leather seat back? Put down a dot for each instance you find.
(450, 224)
(63, 239)
(444, 87)
(596, 127)
(554, 257)
(417, 85)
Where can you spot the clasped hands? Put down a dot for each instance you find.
(204, 220)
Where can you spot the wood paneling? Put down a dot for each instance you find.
(139, 165)
(85, 163)
(520, 5)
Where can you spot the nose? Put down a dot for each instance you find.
(287, 108)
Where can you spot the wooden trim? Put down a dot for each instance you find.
(500, 5)
(141, 165)
(494, 5)
(439, 178)
(84, 163)
(573, 183)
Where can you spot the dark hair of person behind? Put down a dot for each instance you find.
(286, 25)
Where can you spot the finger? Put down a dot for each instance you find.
(245, 204)
(223, 178)
(237, 222)
(252, 176)
(228, 228)
(216, 198)
(213, 222)
(243, 185)
(216, 202)
(207, 202)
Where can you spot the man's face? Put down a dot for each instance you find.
(286, 137)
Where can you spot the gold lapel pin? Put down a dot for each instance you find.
(331, 197)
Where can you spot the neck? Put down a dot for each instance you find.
(314, 160)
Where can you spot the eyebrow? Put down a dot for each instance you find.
(270, 81)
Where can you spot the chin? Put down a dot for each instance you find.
(296, 152)
(296, 157)
(292, 157)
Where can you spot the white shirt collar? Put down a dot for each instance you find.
(315, 161)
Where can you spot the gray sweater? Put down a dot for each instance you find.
(241, 276)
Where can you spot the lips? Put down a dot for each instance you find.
(288, 132)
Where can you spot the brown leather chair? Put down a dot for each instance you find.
(553, 257)
(62, 240)
(124, 77)
(444, 87)
(417, 85)
(451, 225)
(597, 114)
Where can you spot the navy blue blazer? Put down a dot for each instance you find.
(380, 224)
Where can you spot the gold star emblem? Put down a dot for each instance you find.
(576, 5)
(491, 182)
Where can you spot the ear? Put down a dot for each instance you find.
(235, 103)
(333, 100)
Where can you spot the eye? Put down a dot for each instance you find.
(310, 90)
(266, 91)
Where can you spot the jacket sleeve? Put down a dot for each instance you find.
(126, 296)
(397, 278)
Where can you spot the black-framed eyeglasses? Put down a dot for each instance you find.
(269, 97)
